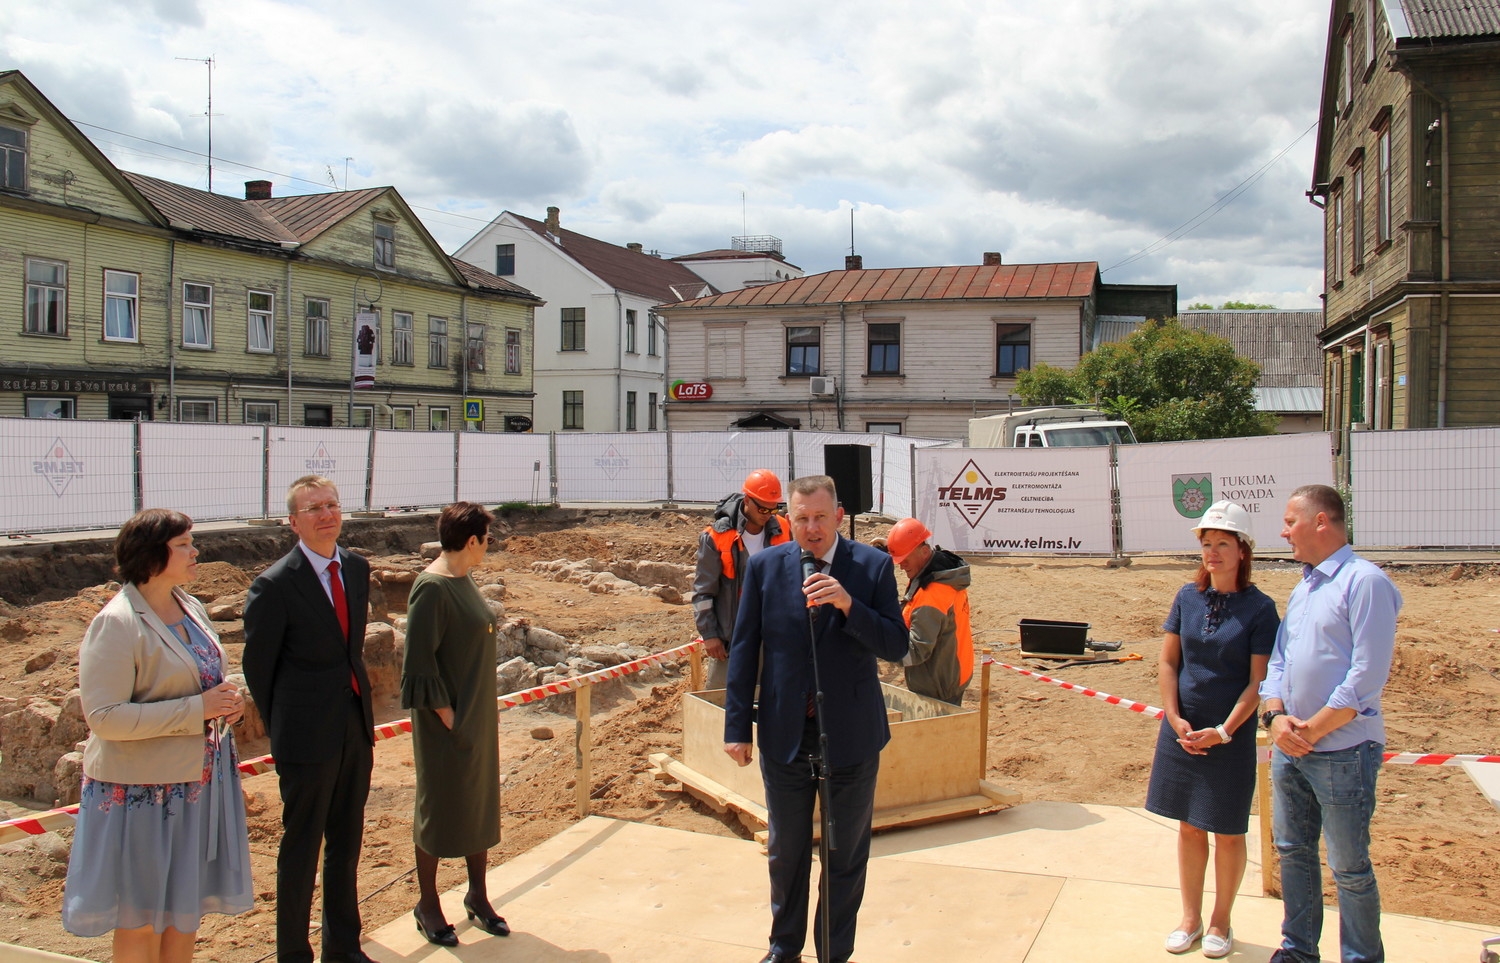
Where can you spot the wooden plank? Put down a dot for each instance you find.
(716, 794)
(583, 754)
(1006, 796)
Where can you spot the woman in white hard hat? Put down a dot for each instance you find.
(1218, 641)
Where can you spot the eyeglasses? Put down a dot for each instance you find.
(763, 509)
(321, 508)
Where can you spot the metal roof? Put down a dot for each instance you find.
(1283, 343)
(957, 283)
(1289, 400)
(1429, 19)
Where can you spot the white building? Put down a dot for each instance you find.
(915, 351)
(600, 347)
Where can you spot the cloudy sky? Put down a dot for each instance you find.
(1048, 130)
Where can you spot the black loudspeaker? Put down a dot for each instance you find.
(849, 467)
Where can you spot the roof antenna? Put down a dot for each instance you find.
(209, 62)
(744, 216)
(851, 231)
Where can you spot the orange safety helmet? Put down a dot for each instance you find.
(904, 538)
(763, 486)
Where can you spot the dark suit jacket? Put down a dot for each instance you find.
(296, 661)
(773, 621)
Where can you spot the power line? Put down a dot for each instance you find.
(1207, 214)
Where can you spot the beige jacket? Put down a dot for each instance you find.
(142, 695)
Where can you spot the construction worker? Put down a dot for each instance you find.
(936, 606)
(744, 523)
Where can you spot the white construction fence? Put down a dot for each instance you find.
(1408, 489)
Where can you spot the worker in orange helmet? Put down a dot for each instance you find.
(744, 522)
(936, 606)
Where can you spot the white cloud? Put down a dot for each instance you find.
(1047, 129)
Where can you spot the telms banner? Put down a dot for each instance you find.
(1024, 500)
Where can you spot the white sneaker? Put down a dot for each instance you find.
(1218, 947)
(1180, 941)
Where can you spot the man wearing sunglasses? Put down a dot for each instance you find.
(744, 522)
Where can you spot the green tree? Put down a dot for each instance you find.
(1171, 383)
(1200, 306)
(1246, 306)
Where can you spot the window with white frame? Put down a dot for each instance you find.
(204, 410)
(121, 303)
(51, 408)
(1383, 186)
(261, 327)
(1357, 214)
(385, 244)
(726, 351)
(403, 417)
(317, 328)
(1336, 243)
(883, 427)
(197, 315)
(401, 337)
(630, 411)
(804, 348)
(261, 412)
(1371, 13)
(46, 297)
(12, 158)
(512, 351)
(651, 404)
(1346, 71)
(437, 342)
(362, 416)
(572, 411)
(630, 319)
(437, 419)
(474, 349)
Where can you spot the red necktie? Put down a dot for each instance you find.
(341, 609)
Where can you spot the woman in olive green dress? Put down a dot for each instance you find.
(449, 681)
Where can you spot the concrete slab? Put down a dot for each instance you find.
(1040, 883)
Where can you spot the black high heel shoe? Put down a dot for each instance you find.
(440, 937)
(493, 925)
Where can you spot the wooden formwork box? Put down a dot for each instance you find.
(933, 768)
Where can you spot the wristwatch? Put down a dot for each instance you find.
(1268, 715)
(1223, 734)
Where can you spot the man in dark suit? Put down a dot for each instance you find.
(857, 620)
(304, 662)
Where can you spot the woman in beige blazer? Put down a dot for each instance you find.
(160, 839)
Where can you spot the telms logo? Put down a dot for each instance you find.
(611, 462)
(58, 467)
(321, 462)
(971, 493)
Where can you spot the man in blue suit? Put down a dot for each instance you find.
(857, 620)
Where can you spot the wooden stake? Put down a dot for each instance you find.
(583, 762)
(984, 712)
(695, 670)
(1270, 872)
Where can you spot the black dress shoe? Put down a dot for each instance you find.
(775, 957)
(353, 956)
(493, 925)
(442, 936)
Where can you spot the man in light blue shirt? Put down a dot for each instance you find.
(1322, 701)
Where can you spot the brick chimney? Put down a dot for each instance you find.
(635, 246)
(553, 221)
(257, 190)
(992, 259)
(854, 262)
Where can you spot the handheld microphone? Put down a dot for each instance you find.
(809, 568)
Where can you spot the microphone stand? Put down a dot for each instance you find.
(826, 843)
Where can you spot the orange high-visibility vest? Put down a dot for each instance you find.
(725, 541)
(944, 597)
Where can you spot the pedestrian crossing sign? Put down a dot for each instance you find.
(473, 409)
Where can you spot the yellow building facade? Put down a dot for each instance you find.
(125, 296)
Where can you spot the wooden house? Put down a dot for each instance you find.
(1407, 162)
(126, 296)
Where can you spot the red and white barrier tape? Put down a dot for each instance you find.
(1390, 758)
(12, 829)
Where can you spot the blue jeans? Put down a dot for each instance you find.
(1331, 792)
